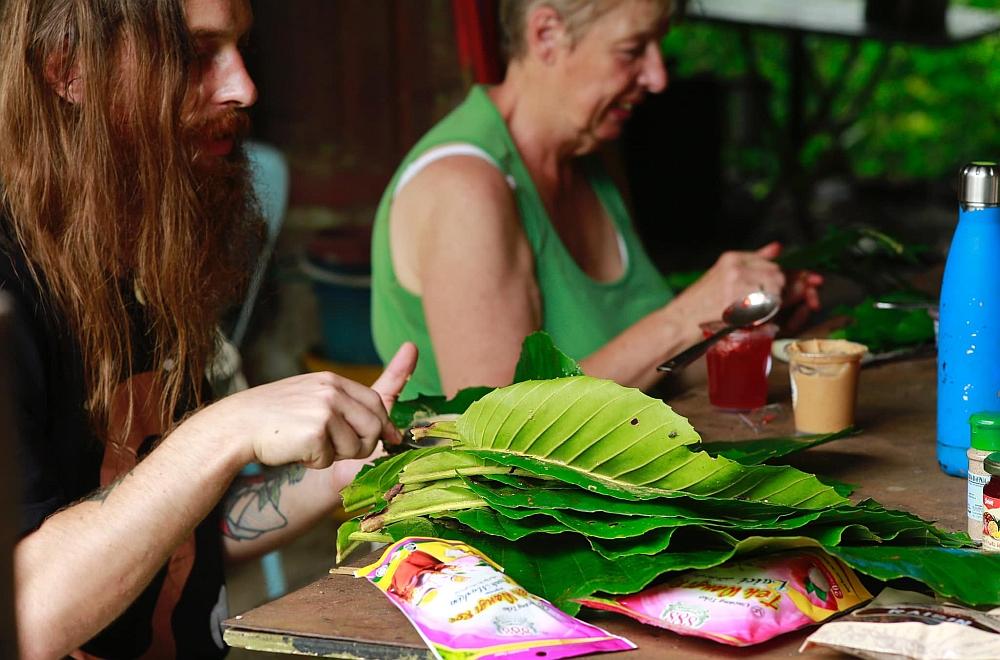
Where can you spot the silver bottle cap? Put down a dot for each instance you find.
(980, 184)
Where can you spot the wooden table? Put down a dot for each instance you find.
(893, 461)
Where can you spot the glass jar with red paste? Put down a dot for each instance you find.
(738, 365)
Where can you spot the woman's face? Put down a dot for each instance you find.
(610, 69)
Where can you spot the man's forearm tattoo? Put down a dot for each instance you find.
(101, 494)
(252, 507)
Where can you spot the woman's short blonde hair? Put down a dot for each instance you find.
(577, 16)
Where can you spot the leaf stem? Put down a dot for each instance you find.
(372, 537)
(348, 551)
(378, 522)
(363, 504)
(451, 473)
(445, 429)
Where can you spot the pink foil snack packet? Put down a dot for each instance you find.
(463, 606)
(748, 601)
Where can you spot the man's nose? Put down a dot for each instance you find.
(654, 72)
(236, 86)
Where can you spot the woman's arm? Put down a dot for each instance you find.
(631, 358)
(457, 241)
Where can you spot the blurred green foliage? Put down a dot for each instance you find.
(934, 108)
(887, 329)
(876, 261)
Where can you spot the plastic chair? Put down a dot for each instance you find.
(269, 170)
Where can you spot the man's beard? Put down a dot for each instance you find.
(219, 247)
(233, 226)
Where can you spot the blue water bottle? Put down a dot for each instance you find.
(969, 330)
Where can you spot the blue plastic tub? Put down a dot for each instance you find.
(337, 264)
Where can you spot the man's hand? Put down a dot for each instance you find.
(313, 419)
(396, 373)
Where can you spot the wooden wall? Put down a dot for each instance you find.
(347, 86)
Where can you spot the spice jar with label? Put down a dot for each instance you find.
(991, 504)
(984, 440)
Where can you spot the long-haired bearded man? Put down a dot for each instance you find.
(128, 226)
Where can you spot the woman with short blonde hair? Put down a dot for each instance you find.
(502, 220)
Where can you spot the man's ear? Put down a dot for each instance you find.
(545, 33)
(64, 80)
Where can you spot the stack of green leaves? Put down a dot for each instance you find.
(884, 330)
(578, 486)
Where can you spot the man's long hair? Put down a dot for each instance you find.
(100, 183)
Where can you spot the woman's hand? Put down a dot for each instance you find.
(801, 298)
(730, 279)
(312, 419)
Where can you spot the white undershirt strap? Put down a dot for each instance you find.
(444, 151)
(465, 149)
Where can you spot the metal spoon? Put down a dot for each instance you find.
(756, 309)
(886, 304)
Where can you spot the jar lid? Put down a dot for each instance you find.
(992, 464)
(985, 431)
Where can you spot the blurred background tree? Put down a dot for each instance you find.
(933, 109)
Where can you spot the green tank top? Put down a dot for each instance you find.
(580, 313)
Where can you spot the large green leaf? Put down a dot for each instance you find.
(838, 250)
(586, 430)
(345, 545)
(650, 543)
(578, 486)
(761, 450)
(445, 465)
(374, 481)
(561, 419)
(405, 413)
(447, 495)
(616, 536)
(841, 488)
(527, 481)
(540, 359)
(967, 575)
(602, 517)
(883, 330)
(586, 501)
(489, 521)
(592, 526)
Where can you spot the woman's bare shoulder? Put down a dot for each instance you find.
(452, 189)
(459, 175)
